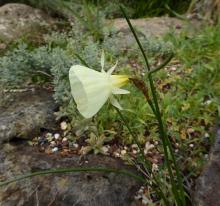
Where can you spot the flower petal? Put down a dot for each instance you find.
(112, 69)
(102, 60)
(115, 103)
(120, 91)
(90, 89)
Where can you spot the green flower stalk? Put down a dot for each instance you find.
(177, 186)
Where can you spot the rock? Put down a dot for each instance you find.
(79, 189)
(149, 30)
(207, 191)
(23, 113)
(206, 10)
(156, 26)
(19, 20)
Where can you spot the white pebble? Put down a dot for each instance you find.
(137, 197)
(206, 135)
(123, 152)
(134, 146)
(56, 136)
(53, 143)
(173, 68)
(63, 125)
(141, 191)
(148, 147)
(64, 139)
(206, 156)
(55, 149)
(105, 149)
(75, 145)
(191, 145)
(116, 154)
(134, 151)
(208, 102)
(155, 167)
(145, 200)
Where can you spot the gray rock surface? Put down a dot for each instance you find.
(156, 26)
(18, 20)
(149, 30)
(79, 189)
(207, 192)
(22, 114)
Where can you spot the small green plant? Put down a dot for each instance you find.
(96, 143)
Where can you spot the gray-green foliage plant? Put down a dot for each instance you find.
(15, 67)
(52, 62)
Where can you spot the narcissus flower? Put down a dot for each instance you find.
(91, 89)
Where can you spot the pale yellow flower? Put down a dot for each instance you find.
(91, 89)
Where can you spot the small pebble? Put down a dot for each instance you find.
(173, 68)
(155, 167)
(64, 139)
(141, 190)
(134, 151)
(55, 149)
(206, 135)
(56, 136)
(191, 145)
(134, 146)
(148, 147)
(145, 200)
(63, 125)
(190, 130)
(137, 197)
(53, 144)
(123, 152)
(75, 145)
(208, 102)
(105, 149)
(116, 154)
(206, 156)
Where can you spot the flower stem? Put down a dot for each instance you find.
(177, 188)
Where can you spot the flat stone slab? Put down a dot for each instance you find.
(24, 113)
(79, 189)
(156, 26)
(149, 31)
(207, 192)
(18, 20)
